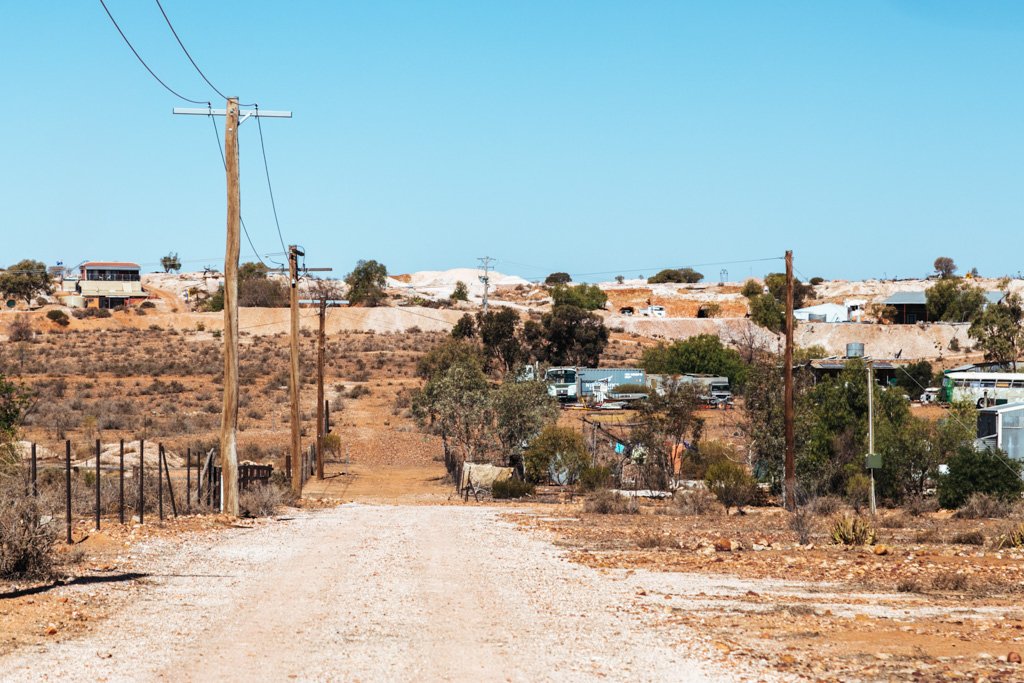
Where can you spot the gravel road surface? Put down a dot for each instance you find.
(375, 593)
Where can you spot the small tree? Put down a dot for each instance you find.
(766, 312)
(752, 288)
(701, 354)
(676, 275)
(730, 483)
(521, 410)
(971, 471)
(776, 284)
(944, 267)
(26, 280)
(558, 278)
(567, 336)
(498, 331)
(171, 262)
(465, 328)
(587, 297)
(461, 292)
(558, 450)
(914, 378)
(999, 332)
(366, 283)
(954, 300)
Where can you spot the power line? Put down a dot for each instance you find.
(266, 168)
(223, 159)
(183, 49)
(691, 265)
(143, 62)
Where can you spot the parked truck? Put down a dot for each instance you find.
(571, 384)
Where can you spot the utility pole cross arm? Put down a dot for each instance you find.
(242, 115)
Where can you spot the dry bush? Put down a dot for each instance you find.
(895, 521)
(802, 522)
(27, 534)
(968, 538)
(655, 540)
(607, 502)
(909, 586)
(261, 500)
(950, 581)
(697, 502)
(915, 506)
(826, 506)
(984, 506)
(929, 535)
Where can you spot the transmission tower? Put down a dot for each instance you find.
(485, 265)
(723, 276)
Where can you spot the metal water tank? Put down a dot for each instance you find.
(854, 350)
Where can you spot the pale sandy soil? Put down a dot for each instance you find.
(377, 593)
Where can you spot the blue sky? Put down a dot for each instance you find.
(586, 136)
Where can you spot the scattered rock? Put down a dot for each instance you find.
(881, 549)
(1013, 658)
(723, 545)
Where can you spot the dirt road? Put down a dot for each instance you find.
(374, 593)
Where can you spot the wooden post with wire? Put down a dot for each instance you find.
(790, 464)
(229, 413)
(320, 357)
(293, 280)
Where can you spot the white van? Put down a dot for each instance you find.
(653, 311)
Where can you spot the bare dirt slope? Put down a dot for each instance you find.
(374, 594)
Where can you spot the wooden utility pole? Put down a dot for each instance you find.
(293, 280)
(229, 414)
(320, 353)
(790, 467)
(229, 411)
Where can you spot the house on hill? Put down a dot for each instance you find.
(109, 284)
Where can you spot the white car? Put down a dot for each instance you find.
(653, 311)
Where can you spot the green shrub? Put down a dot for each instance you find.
(852, 531)
(972, 471)
(730, 483)
(556, 448)
(512, 488)
(58, 316)
(752, 288)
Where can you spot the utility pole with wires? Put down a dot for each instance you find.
(320, 419)
(294, 252)
(485, 265)
(233, 118)
(873, 461)
(790, 464)
(293, 373)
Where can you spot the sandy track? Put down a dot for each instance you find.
(368, 593)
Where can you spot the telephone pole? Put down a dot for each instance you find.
(871, 463)
(229, 410)
(790, 466)
(320, 353)
(485, 265)
(293, 376)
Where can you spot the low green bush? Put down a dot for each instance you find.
(58, 316)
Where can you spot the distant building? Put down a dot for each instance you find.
(1002, 426)
(912, 307)
(109, 284)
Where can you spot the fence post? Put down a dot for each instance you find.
(33, 471)
(160, 480)
(170, 486)
(67, 488)
(142, 479)
(97, 484)
(120, 485)
(188, 479)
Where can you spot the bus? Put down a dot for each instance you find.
(983, 388)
